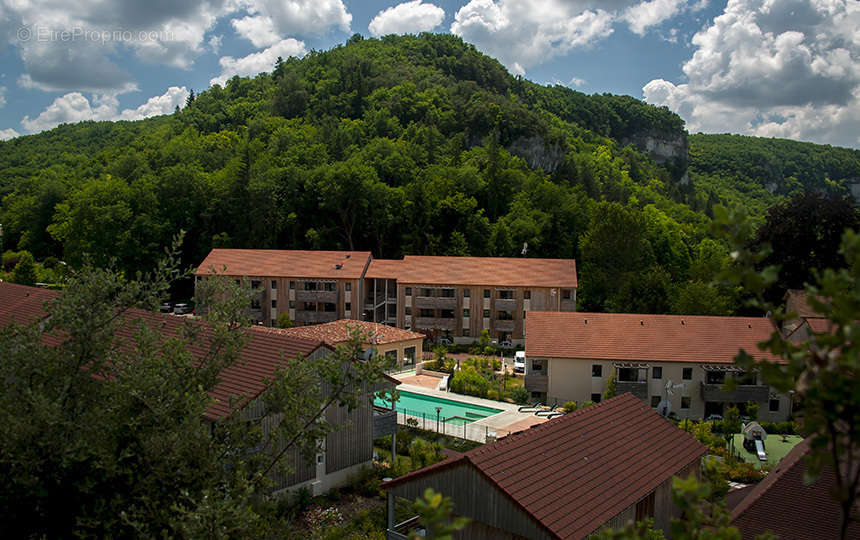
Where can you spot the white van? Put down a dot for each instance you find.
(520, 362)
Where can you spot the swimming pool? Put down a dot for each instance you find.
(452, 412)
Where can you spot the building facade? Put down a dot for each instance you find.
(677, 364)
(456, 298)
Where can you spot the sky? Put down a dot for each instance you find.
(771, 68)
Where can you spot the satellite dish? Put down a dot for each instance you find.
(664, 407)
(671, 387)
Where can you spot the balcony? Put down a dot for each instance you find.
(567, 305)
(435, 302)
(741, 394)
(503, 304)
(317, 296)
(504, 326)
(315, 317)
(638, 389)
(435, 322)
(536, 383)
(384, 422)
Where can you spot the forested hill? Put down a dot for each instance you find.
(411, 144)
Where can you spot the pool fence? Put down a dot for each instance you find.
(454, 426)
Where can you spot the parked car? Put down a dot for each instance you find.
(445, 341)
(520, 362)
(167, 307)
(182, 309)
(713, 417)
(506, 344)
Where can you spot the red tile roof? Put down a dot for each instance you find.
(244, 380)
(786, 505)
(645, 338)
(797, 300)
(492, 271)
(22, 304)
(286, 263)
(337, 332)
(574, 473)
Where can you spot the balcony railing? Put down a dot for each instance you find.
(504, 326)
(506, 304)
(536, 383)
(741, 394)
(315, 316)
(638, 389)
(567, 305)
(435, 322)
(435, 302)
(317, 296)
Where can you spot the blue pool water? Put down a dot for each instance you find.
(452, 412)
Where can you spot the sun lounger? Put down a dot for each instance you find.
(552, 415)
(536, 406)
(545, 413)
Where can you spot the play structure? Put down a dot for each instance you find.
(754, 437)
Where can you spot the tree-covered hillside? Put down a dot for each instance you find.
(410, 144)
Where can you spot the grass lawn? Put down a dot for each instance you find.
(775, 448)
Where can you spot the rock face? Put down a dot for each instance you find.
(661, 146)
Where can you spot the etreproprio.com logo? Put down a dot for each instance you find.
(68, 35)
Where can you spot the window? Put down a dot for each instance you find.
(347, 287)
(255, 283)
(628, 374)
(685, 402)
(466, 313)
(596, 370)
(465, 332)
(657, 372)
(408, 291)
(255, 303)
(537, 365)
(347, 306)
(426, 292)
(292, 284)
(447, 314)
(426, 313)
(524, 314)
(237, 282)
(274, 304)
(486, 293)
(407, 311)
(274, 323)
(773, 405)
(310, 306)
(328, 306)
(310, 285)
(595, 398)
(486, 313)
(565, 294)
(715, 377)
(687, 374)
(447, 293)
(504, 316)
(506, 295)
(409, 356)
(466, 293)
(328, 287)
(655, 401)
(292, 304)
(527, 295)
(747, 378)
(274, 284)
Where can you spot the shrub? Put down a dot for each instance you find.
(570, 406)
(318, 518)
(745, 473)
(492, 393)
(469, 382)
(520, 395)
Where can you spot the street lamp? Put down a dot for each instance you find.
(438, 411)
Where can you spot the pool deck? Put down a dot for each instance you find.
(508, 421)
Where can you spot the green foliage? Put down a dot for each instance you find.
(284, 320)
(609, 392)
(435, 513)
(520, 395)
(641, 530)
(424, 453)
(469, 382)
(25, 270)
(752, 410)
(702, 519)
(569, 406)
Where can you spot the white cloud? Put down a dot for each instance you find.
(270, 20)
(6, 134)
(651, 13)
(406, 18)
(258, 62)
(524, 33)
(75, 107)
(576, 82)
(215, 43)
(785, 68)
(2, 96)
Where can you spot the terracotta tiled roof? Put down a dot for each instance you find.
(245, 380)
(286, 263)
(793, 510)
(572, 474)
(22, 304)
(645, 338)
(337, 332)
(492, 271)
(797, 300)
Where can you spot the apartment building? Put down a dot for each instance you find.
(311, 286)
(442, 297)
(677, 361)
(459, 297)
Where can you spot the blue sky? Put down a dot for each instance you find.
(783, 68)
